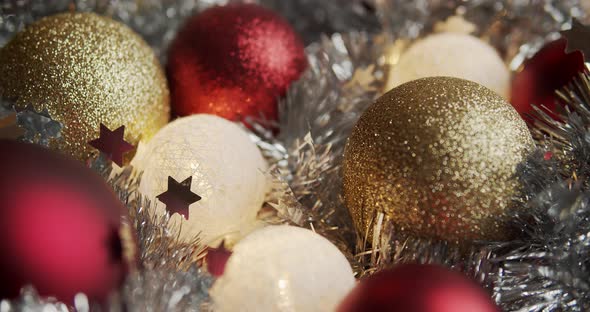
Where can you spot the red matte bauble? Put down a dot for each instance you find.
(234, 61)
(417, 288)
(547, 71)
(60, 226)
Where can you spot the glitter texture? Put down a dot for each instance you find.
(234, 61)
(438, 157)
(86, 70)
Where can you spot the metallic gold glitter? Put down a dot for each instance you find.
(437, 156)
(86, 70)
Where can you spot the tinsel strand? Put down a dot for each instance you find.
(546, 269)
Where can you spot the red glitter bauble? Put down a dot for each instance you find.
(234, 61)
(60, 226)
(547, 71)
(417, 288)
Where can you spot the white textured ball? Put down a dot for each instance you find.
(283, 268)
(453, 55)
(227, 169)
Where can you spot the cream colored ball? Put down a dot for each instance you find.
(453, 55)
(228, 173)
(283, 268)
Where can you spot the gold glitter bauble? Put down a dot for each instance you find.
(86, 70)
(438, 157)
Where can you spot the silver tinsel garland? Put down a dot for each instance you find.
(546, 269)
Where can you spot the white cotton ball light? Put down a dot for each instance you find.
(227, 169)
(454, 55)
(283, 268)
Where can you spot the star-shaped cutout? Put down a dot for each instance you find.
(179, 197)
(217, 258)
(112, 144)
(578, 38)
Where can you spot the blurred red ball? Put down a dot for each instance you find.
(417, 288)
(547, 71)
(234, 61)
(60, 226)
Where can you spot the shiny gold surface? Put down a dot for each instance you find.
(86, 70)
(438, 157)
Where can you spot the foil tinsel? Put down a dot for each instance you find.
(30, 301)
(546, 269)
(327, 17)
(167, 290)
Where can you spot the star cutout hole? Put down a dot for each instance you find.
(179, 197)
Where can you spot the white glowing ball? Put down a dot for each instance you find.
(228, 173)
(283, 268)
(454, 55)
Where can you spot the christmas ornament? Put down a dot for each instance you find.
(547, 71)
(112, 144)
(227, 170)
(283, 268)
(60, 226)
(216, 259)
(437, 156)
(86, 70)
(418, 288)
(234, 61)
(454, 55)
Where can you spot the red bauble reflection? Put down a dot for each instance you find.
(234, 61)
(59, 226)
(547, 71)
(417, 288)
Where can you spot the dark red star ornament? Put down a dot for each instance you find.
(179, 197)
(217, 258)
(112, 144)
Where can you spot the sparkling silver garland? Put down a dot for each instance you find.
(314, 18)
(548, 268)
